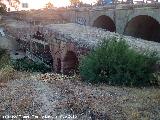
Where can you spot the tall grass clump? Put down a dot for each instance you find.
(6, 69)
(7, 73)
(115, 63)
(4, 58)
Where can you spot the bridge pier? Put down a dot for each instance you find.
(65, 58)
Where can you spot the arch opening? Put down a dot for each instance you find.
(70, 63)
(105, 22)
(58, 65)
(38, 35)
(144, 27)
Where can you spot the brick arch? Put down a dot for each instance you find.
(104, 22)
(144, 13)
(143, 26)
(70, 62)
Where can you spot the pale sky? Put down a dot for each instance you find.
(35, 4)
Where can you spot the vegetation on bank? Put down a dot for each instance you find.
(115, 63)
(30, 66)
(9, 68)
(6, 69)
(73, 96)
(4, 58)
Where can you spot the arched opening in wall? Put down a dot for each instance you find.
(47, 56)
(144, 27)
(105, 22)
(43, 53)
(38, 35)
(58, 65)
(70, 63)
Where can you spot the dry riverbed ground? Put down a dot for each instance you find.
(60, 97)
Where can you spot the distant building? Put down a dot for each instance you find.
(104, 2)
(24, 5)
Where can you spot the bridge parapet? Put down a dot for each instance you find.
(134, 6)
(117, 6)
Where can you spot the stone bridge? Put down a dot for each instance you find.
(63, 45)
(137, 20)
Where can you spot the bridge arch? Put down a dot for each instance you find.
(143, 26)
(70, 63)
(105, 22)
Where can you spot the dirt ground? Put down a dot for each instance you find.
(53, 96)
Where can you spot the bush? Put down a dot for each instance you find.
(2, 52)
(115, 63)
(4, 58)
(6, 69)
(7, 73)
(157, 76)
(30, 66)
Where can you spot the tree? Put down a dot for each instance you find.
(74, 2)
(49, 5)
(12, 3)
(81, 4)
(3, 8)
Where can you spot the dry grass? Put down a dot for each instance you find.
(103, 101)
(157, 76)
(4, 59)
(7, 73)
(86, 101)
(6, 69)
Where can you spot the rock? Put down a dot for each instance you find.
(2, 84)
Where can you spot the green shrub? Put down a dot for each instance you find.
(114, 63)
(30, 66)
(21, 64)
(2, 52)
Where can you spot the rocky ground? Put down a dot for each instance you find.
(53, 96)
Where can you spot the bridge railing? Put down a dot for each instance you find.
(126, 2)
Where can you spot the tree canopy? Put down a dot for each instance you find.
(49, 5)
(12, 3)
(74, 2)
(3, 8)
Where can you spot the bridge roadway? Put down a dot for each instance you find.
(67, 43)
